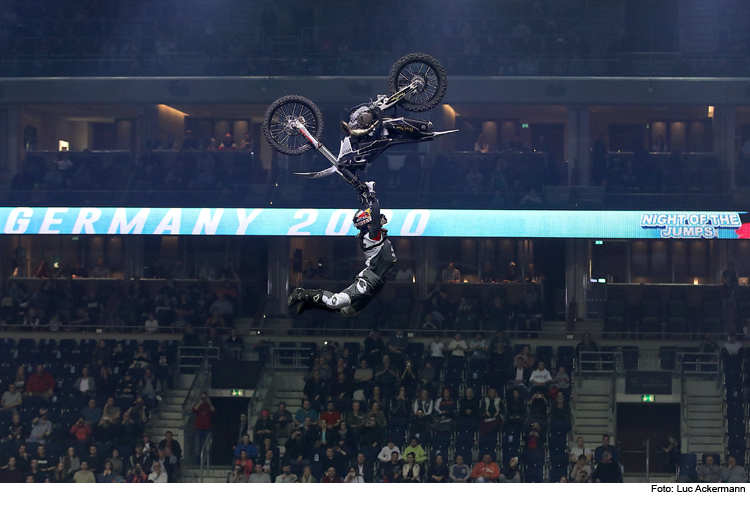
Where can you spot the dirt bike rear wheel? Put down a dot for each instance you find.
(427, 72)
(281, 134)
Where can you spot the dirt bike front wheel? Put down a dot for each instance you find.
(426, 73)
(279, 124)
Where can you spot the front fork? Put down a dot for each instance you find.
(344, 172)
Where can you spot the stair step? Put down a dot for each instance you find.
(170, 408)
(170, 415)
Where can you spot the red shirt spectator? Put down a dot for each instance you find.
(203, 412)
(81, 430)
(331, 416)
(40, 382)
(487, 470)
(246, 463)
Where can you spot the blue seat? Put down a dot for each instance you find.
(439, 448)
(557, 473)
(565, 357)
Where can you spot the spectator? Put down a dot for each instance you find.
(391, 471)
(92, 414)
(101, 271)
(71, 462)
(270, 463)
(41, 429)
(386, 375)
(137, 475)
(486, 471)
(385, 454)
(11, 473)
(128, 387)
(245, 463)
(286, 475)
(41, 383)
(540, 379)
(86, 384)
(451, 274)
(608, 471)
(479, 350)
(203, 411)
(708, 472)
(307, 411)
(307, 476)
(284, 422)
(107, 475)
(460, 473)
(315, 391)
(11, 401)
(353, 477)
(411, 469)
(228, 143)
(81, 431)
(469, 406)
(259, 476)
(374, 348)
(427, 377)
(331, 416)
(264, 427)
(116, 461)
(43, 461)
(151, 325)
(372, 431)
(234, 345)
(516, 408)
(331, 476)
(438, 471)
(672, 451)
(733, 473)
(580, 450)
(400, 405)
(581, 470)
(248, 446)
(84, 475)
(605, 448)
(224, 306)
(562, 381)
(416, 449)
(512, 473)
(140, 458)
(238, 475)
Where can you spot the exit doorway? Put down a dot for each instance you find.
(637, 422)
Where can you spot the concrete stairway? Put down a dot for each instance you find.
(592, 413)
(169, 415)
(704, 418)
(215, 475)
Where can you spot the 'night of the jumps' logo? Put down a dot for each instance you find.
(693, 225)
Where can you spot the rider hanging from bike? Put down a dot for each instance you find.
(379, 261)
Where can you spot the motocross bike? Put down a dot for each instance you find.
(417, 83)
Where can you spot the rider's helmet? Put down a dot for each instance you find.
(363, 217)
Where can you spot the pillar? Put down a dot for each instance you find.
(278, 274)
(724, 144)
(13, 142)
(577, 145)
(577, 275)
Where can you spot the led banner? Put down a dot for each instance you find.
(402, 222)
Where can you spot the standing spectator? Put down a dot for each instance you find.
(729, 286)
(41, 383)
(374, 348)
(672, 451)
(203, 411)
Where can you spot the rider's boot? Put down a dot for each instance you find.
(307, 299)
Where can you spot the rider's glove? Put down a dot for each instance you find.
(368, 192)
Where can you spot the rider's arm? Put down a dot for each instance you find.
(374, 226)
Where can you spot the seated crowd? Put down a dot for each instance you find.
(81, 415)
(59, 302)
(391, 413)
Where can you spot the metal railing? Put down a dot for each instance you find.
(190, 359)
(199, 385)
(261, 390)
(206, 455)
